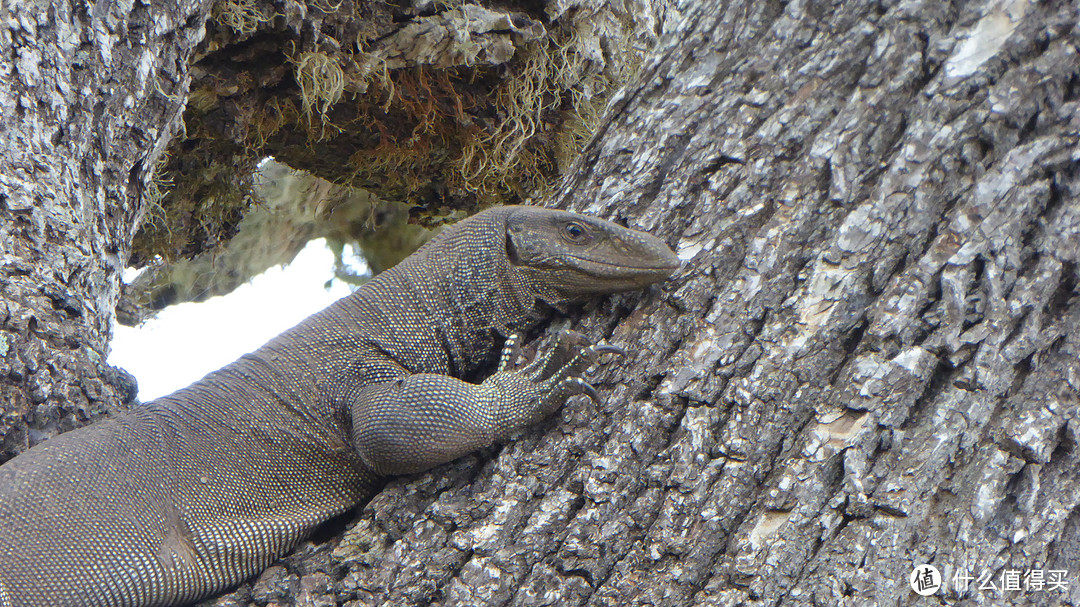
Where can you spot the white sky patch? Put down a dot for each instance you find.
(187, 341)
(987, 37)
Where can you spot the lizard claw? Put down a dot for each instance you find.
(566, 381)
(572, 386)
(587, 389)
(556, 373)
(608, 349)
(555, 396)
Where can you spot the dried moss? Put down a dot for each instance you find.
(194, 206)
(242, 16)
(438, 138)
(321, 80)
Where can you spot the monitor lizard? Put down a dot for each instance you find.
(188, 494)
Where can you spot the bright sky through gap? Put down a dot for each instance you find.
(187, 341)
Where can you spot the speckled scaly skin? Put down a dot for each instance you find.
(191, 493)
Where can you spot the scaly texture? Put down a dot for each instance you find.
(200, 489)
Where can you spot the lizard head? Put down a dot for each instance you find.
(579, 256)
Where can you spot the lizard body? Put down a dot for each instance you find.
(188, 494)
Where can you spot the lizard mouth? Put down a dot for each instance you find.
(606, 267)
(601, 275)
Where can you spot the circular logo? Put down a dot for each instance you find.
(925, 580)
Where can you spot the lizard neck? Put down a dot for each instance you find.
(442, 310)
(470, 290)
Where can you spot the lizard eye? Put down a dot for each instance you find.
(575, 233)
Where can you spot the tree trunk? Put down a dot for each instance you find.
(89, 98)
(869, 361)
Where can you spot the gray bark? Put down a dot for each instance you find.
(89, 97)
(869, 361)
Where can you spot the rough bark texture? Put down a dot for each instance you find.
(870, 360)
(89, 97)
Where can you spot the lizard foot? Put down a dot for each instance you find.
(555, 375)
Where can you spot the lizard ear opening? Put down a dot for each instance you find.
(511, 250)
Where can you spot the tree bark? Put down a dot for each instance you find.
(89, 98)
(869, 361)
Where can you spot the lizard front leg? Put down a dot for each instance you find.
(426, 419)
